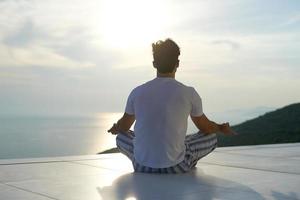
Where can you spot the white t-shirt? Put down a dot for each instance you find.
(161, 108)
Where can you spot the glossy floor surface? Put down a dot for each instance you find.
(249, 172)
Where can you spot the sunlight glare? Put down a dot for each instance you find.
(132, 23)
(130, 198)
(104, 140)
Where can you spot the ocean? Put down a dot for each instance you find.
(46, 136)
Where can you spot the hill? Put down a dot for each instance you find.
(279, 126)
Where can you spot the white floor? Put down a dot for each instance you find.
(243, 173)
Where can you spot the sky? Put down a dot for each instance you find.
(71, 57)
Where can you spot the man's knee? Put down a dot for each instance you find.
(119, 140)
(124, 140)
(215, 140)
(203, 145)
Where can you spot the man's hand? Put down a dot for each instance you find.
(113, 130)
(206, 126)
(123, 125)
(226, 129)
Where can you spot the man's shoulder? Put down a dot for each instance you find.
(182, 84)
(185, 86)
(151, 83)
(143, 85)
(139, 87)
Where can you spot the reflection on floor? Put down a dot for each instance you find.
(249, 172)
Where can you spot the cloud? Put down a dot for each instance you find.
(232, 44)
(44, 37)
(35, 55)
(292, 20)
(80, 45)
(22, 36)
(26, 46)
(15, 76)
(59, 49)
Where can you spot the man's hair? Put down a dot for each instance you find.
(165, 55)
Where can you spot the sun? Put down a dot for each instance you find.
(130, 23)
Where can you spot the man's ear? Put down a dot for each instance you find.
(154, 65)
(177, 64)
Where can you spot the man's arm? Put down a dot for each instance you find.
(206, 126)
(123, 124)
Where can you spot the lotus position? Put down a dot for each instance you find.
(161, 108)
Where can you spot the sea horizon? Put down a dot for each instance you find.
(47, 135)
(32, 135)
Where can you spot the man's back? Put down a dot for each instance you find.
(161, 108)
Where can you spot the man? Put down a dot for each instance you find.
(161, 108)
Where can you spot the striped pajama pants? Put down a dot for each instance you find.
(197, 146)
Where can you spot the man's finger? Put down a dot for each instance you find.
(109, 130)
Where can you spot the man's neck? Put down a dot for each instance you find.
(165, 75)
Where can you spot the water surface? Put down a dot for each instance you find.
(32, 136)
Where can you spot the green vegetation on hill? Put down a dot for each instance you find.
(279, 126)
